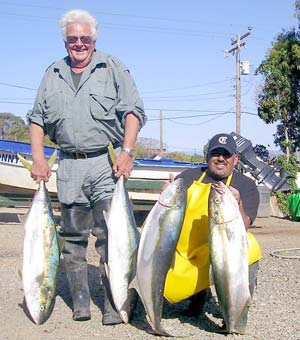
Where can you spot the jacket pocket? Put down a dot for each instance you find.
(64, 170)
(103, 100)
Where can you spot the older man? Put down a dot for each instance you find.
(85, 101)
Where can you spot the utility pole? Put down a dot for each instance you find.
(238, 43)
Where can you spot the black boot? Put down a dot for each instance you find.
(110, 314)
(78, 283)
(76, 224)
(197, 302)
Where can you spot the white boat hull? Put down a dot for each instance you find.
(16, 177)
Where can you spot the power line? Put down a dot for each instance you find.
(189, 95)
(190, 86)
(205, 122)
(185, 117)
(131, 27)
(218, 113)
(17, 86)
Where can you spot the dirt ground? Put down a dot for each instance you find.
(274, 314)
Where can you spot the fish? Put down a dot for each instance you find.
(41, 254)
(123, 240)
(228, 256)
(159, 237)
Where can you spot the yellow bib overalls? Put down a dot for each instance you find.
(189, 272)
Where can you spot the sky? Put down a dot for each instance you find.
(175, 51)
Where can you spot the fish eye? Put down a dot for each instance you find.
(217, 200)
(42, 308)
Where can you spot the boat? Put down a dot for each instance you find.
(144, 184)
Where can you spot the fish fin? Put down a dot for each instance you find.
(160, 331)
(112, 153)
(106, 269)
(124, 316)
(106, 215)
(19, 278)
(61, 243)
(25, 163)
(19, 274)
(22, 218)
(211, 275)
(52, 159)
(28, 165)
(134, 285)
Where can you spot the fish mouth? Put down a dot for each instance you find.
(166, 205)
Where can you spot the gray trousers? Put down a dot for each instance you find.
(78, 223)
(85, 188)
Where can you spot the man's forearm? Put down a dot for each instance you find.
(37, 142)
(132, 126)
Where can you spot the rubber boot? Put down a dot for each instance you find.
(197, 302)
(76, 223)
(78, 283)
(110, 314)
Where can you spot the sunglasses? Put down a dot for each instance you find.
(85, 39)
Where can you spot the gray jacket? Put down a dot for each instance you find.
(87, 118)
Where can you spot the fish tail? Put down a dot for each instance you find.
(112, 153)
(28, 165)
(24, 162)
(52, 159)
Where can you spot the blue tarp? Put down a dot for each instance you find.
(22, 148)
(25, 149)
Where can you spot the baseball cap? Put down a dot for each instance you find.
(224, 141)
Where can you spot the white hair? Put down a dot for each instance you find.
(78, 15)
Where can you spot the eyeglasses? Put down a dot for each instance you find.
(85, 39)
(220, 152)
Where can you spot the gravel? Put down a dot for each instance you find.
(274, 313)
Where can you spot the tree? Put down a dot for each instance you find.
(19, 134)
(297, 11)
(8, 121)
(278, 100)
(262, 152)
(14, 128)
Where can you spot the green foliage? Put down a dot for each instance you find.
(149, 148)
(181, 156)
(297, 11)
(278, 100)
(19, 134)
(8, 121)
(291, 168)
(262, 152)
(14, 128)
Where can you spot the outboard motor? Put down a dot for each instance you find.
(274, 178)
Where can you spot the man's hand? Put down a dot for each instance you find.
(123, 165)
(246, 218)
(171, 179)
(236, 194)
(40, 171)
